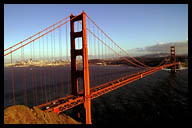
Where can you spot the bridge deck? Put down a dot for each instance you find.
(63, 104)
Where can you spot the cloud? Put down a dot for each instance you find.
(160, 43)
(161, 47)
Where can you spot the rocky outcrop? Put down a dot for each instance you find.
(20, 114)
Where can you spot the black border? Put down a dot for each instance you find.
(96, 2)
(166, 123)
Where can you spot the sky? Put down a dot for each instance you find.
(130, 25)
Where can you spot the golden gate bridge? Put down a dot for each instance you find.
(50, 87)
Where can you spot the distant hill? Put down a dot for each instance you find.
(181, 48)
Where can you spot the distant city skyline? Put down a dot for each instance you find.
(131, 26)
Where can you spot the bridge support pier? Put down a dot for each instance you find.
(75, 74)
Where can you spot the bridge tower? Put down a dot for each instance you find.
(84, 74)
(173, 59)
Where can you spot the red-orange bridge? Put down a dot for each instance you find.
(56, 70)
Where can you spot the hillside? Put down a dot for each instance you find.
(20, 114)
(180, 46)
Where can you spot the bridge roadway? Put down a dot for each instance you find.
(65, 103)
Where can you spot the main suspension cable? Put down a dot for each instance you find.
(37, 33)
(116, 43)
(114, 50)
(41, 35)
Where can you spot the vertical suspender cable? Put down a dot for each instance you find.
(54, 67)
(34, 73)
(44, 73)
(41, 82)
(32, 80)
(23, 75)
(68, 69)
(48, 71)
(12, 79)
(52, 62)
